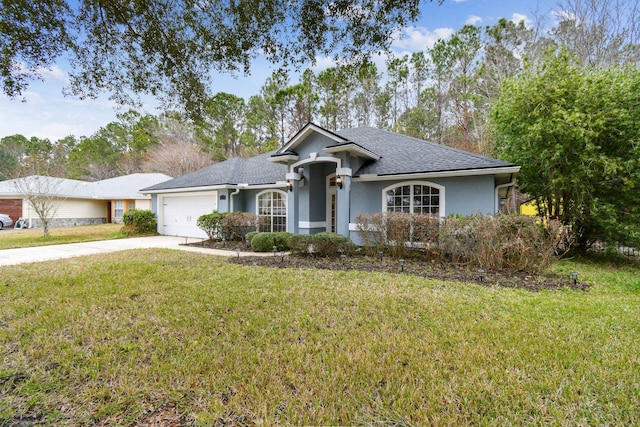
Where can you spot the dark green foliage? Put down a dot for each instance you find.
(576, 134)
(212, 224)
(139, 222)
(264, 242)
(249, 236)
(168, 48)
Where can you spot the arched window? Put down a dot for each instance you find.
(418, 197)
(272, 210)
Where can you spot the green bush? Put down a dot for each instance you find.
(138, 221)
(327, 244)
(212, 224)
(249, 236)
(264, 242)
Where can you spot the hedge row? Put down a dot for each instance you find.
(320, 244)
(489, 242)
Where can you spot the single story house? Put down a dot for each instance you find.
(322, 180)
(77, 202)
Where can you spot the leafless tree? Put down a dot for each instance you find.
(599, 32)
(44, 194)
(176, 158)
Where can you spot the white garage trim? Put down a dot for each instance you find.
(178, 213)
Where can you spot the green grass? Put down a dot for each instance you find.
(10, 239)
(109, 339)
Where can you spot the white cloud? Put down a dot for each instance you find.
(322, 63)
(518, 17)
(414, 39)
(54, 74)
(473, 20)
(460, 1)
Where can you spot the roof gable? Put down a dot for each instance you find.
(303, 133)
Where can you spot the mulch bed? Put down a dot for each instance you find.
(412, 266)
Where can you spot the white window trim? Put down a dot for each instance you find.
(273, 190)
(441, 209)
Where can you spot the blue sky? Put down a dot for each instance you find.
(47, 113)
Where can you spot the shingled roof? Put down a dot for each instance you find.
(400, 154)
(253, 171)
(388, 153)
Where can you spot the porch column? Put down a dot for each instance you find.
(343, 209)
(293, 202)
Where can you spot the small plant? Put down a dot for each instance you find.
(139, 222)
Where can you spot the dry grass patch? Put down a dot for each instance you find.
(122, 338)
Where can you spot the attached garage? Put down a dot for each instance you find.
(178, 214)
(11, 207)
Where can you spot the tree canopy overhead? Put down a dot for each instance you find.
(168, 48)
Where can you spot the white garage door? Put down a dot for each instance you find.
(180, 213)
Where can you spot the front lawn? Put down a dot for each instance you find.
(142, 337)
(11, 238)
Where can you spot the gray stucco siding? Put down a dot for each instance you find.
(314, 144)
(463, 195)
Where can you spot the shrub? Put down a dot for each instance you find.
(502, 241)
(391, 231)
(300, 244)
(236, 225)
(250, 236)
(212, 224)
(489, 242)
(331, 244)
(264, 242)
(373, 231)
(138, 221)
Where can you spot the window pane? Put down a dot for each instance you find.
(272, 210)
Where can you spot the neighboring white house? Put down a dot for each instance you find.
(78, 202)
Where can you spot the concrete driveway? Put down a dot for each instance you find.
(47, 253)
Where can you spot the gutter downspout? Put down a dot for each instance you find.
(235, 193)
(500, 187)
(231, 198)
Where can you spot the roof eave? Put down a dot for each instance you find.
(353, 148)
(241, 186)
(284, 158)
(438, 174)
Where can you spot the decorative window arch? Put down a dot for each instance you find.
(417, 197)
(271, 209)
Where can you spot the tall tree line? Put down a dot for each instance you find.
(443, 94)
